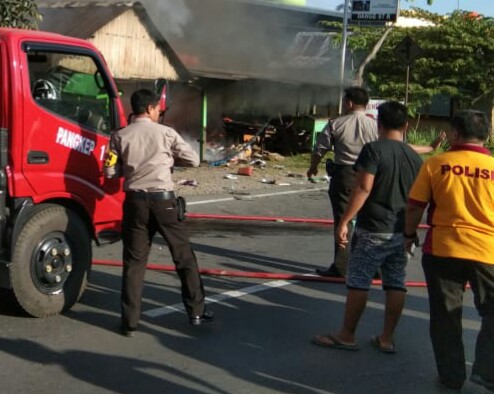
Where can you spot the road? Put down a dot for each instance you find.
(260, 340)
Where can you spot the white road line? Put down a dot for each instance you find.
(218, 298)
(256, 196)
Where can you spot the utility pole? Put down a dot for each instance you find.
(343, 56)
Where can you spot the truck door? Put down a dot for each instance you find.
(69, 113)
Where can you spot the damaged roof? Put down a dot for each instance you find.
(79, 19)
(240, 39)
(224, 39)
(84, 19)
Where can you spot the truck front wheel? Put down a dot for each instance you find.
(51, 261)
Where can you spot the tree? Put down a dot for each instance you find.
(457, 58)
(19, 13)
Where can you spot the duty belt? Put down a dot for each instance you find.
(153, 196)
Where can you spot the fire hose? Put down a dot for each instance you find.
(255, 275)
(267, 218)
(258, 275)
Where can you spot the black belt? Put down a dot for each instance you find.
(154, 196)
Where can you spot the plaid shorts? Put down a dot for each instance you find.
(373, 251)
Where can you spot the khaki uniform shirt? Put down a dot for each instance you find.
(145, 153)
(347, 134)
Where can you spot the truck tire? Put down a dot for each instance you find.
(51, 261)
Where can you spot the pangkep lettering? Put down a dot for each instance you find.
(75, 141)
(482, 173)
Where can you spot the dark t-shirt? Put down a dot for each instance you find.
(395, 166)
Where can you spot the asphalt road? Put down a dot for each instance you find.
(260, 340)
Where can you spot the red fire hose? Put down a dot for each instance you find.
(257, 275)
(261, 275)
(266, 218)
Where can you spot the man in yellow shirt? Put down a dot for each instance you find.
(458, 187)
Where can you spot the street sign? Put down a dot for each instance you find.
(375, 10)
(407, 50)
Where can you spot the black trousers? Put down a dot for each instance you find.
(340, 188)
(142, 218)
(446, 280)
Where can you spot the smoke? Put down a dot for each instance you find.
(170, 17)
(242, 39)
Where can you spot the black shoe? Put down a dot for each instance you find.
(448, 387)
(206, 317)
(488, 384)
(331, 272)
(127, 332)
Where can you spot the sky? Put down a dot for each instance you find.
(485, 7)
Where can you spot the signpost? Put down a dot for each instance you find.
(375, 10)
(407, 51)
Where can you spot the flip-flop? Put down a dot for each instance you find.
(336, 343)
(384, 349)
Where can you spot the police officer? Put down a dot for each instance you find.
(144, 153)
(346, 135)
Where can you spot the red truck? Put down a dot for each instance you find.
(58, 106)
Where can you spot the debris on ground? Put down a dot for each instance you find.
(271, 156)
(248, 171)
(188, 182)
(258, 163)
(292, 175)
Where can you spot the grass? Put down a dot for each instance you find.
(423, 136)
(300, 161)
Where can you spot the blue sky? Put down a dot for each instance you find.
(485, 7)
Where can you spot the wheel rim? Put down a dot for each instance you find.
(51, 263)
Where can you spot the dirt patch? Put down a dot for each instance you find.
(207, 180)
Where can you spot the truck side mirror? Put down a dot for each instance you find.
(162, 87)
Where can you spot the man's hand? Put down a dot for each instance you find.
(312, 172)
(438, 141)
(315, 159)
(410, 244)
(341, 235)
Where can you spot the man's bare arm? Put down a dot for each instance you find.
(361, 191)
(413, 216)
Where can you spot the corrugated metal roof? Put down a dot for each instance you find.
(78, 19)
(83, 19)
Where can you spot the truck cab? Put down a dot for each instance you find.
(58, 106)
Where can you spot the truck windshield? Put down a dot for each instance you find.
(71, 86)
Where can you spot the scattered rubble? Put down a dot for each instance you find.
(248, 171)
(188, 182)
(229, 178)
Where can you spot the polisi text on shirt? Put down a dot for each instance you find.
(482, 173)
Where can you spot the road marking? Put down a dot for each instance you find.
(256, 196)
(218, 298)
